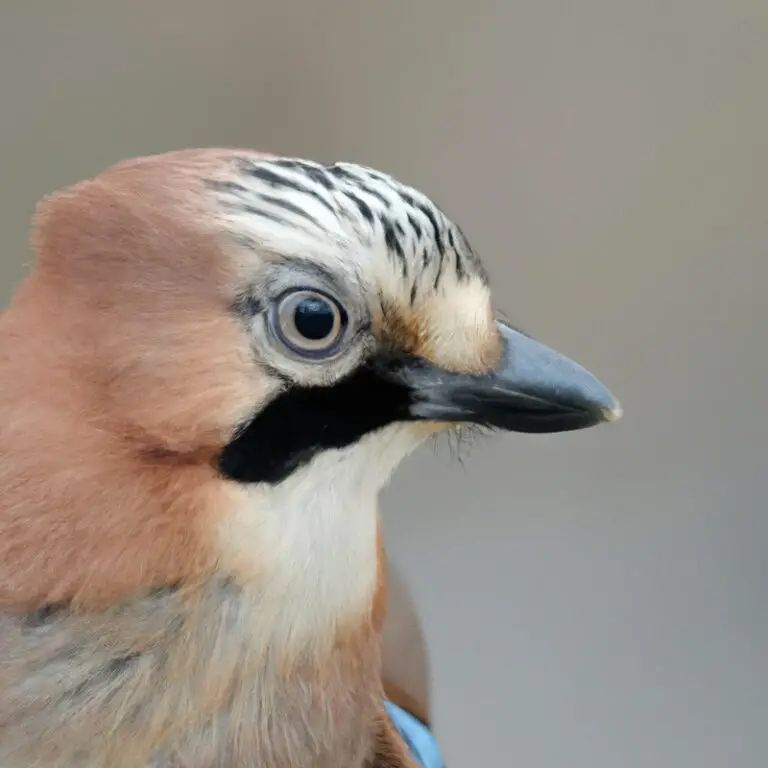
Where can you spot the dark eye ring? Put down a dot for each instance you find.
(309, 323)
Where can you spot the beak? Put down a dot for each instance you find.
(534, 389)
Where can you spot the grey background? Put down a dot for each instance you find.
(595, 599)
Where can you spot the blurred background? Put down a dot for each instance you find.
(591, 600)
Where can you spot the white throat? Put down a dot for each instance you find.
(308, 544)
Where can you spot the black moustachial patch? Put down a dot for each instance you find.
(305, 421)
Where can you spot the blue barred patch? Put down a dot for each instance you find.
(417, 736)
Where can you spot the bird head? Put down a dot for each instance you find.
(274, 323)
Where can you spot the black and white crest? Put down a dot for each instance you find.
(348, 207)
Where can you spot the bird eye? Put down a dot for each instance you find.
(310, 323)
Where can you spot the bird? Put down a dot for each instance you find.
(215, 363)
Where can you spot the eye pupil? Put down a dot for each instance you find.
(309, 324)
(314, 318)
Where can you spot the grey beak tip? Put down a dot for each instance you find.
(536, 369)
(613, 412)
